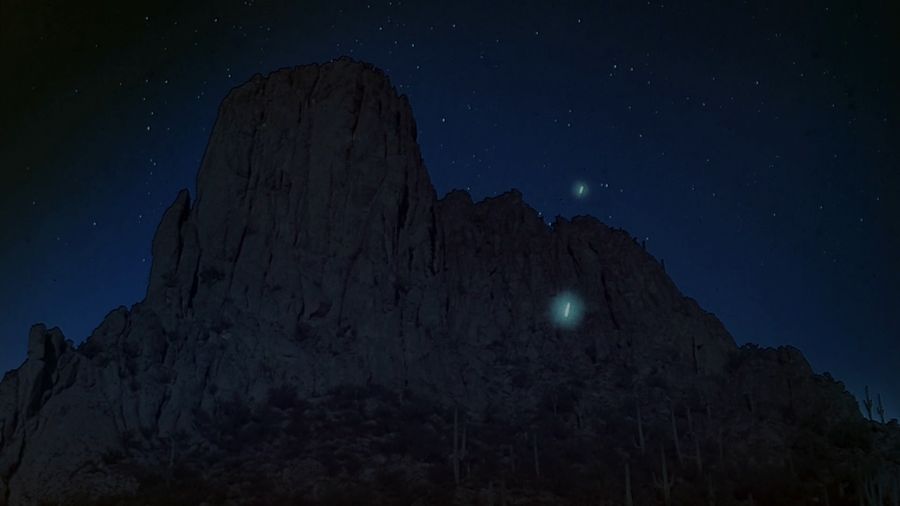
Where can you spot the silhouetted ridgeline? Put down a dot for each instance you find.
(320, 328)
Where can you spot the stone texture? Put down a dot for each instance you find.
(316, 257)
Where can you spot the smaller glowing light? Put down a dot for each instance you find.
(580, 190)
(568, 308)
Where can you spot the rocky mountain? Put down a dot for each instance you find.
(321, 328)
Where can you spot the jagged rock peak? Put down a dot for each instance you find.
(303, 164)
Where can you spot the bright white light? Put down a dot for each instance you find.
(566, 310)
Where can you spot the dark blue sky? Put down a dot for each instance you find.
(755, 148)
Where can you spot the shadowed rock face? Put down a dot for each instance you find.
(317, 268)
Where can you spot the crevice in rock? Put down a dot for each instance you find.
(346, 282)
(397, 131)
(358, 99)
(608, 299)
(195, 284)
(44, 381)
(694, 349)
(159, 409)
(578, 270)
(404, 207)
(432, 237)
(312, 89)
(237, 256)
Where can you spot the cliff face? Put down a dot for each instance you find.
(316, 258)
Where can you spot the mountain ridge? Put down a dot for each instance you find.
(316, 269)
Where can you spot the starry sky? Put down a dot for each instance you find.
(754, 147)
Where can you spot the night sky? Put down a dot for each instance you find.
(755, 149)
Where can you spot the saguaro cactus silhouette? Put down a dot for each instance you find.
(867, 402)
(664, 483)
(628, 499)
(639, 443)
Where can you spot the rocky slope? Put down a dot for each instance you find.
(320, 328)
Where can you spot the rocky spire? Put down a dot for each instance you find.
(311, 183)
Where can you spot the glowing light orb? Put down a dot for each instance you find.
(566, 310)
(580, 189)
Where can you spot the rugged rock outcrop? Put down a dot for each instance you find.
(319, 324)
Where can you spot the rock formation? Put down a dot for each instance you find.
(319, 327)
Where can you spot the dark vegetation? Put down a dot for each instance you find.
(367, 445)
